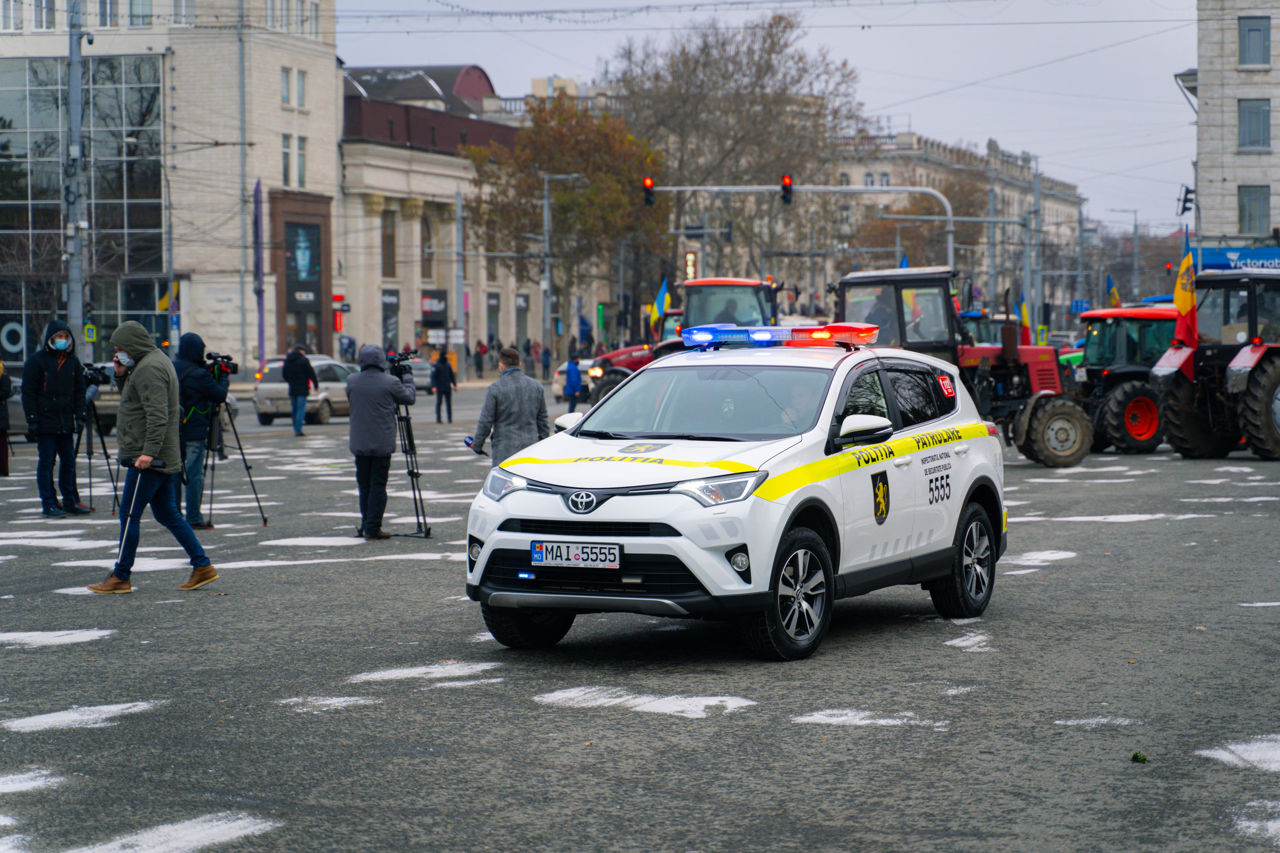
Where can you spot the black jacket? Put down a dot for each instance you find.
(442, 376)
(6, 389)
(53, 386)
(299, 373)
(198, 391)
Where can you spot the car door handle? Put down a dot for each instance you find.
(961, 449)
(902, 462)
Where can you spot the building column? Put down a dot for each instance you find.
(411, 211)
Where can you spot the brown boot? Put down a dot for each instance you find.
(200, 577)
(112, 584)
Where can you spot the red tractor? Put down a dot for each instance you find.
(1018, 386)
(1113, 377)
(1227, 386)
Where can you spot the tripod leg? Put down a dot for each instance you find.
(410, 450)
(248, 469)
(106, 458)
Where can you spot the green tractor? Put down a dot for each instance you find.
(1113, 376)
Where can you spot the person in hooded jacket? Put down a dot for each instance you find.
(300, 375)
(375, 396)
(443, 383)
(147, 436)
(53, 401)
(198, 393)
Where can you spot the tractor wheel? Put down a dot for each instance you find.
(1101, 441)
(1059, 432)
(1259, 409)
(1131, 418)
(1186, 427)
(601, 389)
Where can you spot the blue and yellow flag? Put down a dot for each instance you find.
(902, 264)
(660, 305)
(1113, 292)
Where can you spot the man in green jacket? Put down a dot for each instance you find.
(147, 433)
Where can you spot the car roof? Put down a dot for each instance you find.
(825, 357)
(898, 273)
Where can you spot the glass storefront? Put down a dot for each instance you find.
(302, 278)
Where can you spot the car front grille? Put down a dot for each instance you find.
(573, 527)
(640, 575)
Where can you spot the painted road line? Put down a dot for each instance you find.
(690, 707)
(1262, 753)
(188, 835)
(855, 717)
(30, 781)
(319, 704)
(41, 639)
(439, 670)
(94, 717)
(973, 641)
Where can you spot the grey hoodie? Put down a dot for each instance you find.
(374, 395)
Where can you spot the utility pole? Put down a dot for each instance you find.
(244, 189)
(1133, 292)
(991, 239)
(76, 219)
(1037, 264)
(1081, 291)
(460, 271)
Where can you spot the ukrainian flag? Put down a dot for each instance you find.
(1113, 292)
(660, 305)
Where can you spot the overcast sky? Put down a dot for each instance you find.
(1085, 84)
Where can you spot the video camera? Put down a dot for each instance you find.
(398, 362)
(221, 364)
(94, 375)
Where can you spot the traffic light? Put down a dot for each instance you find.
(1168, 267)
(786, 189)
(648, 189)
(1186, 201)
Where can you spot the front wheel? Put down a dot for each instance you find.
(966, 591)
(266, 420)
(601, 389)
(1190, 430)
(1131, 417)
(801, 598)
(1059, 432)
(526, 629)
(324, 413)
(1259, 409)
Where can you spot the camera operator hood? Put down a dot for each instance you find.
(198, 390)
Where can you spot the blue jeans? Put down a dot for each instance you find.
(161, 492)
(63, 447)
(193, 461)
(299, 404)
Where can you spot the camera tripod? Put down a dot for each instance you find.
(86, 432)
(211, 458)
(404, 422)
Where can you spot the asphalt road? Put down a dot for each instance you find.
(333, 694)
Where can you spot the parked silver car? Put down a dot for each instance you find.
(271, 393)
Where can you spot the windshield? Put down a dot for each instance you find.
(737, 403)
(274, 373)
(1099, 343)
(740, 305)
(877, 305)
(1269, 312)
(1222, 315)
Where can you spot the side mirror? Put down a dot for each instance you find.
(864, 429)
(569, 419)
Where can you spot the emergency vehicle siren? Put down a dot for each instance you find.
(847, 335)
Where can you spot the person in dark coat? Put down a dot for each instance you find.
(374, 395)
(546, 363)
(53, 401)
(6, 391)
(198, 393)
(300, 376)
(514, 411)
(443, 383)
(572, 381)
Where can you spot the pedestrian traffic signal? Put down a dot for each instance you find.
(648, 189)
(786, 189)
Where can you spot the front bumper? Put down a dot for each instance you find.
(274, 405)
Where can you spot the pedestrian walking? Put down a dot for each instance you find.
(53, 402)
(147, 437)
(6, 391)
(546, 363)
(514, 411)
(198, 393)
(572, 381)
(443, 383)
(375, 396)
(301, 376)
(478, 358)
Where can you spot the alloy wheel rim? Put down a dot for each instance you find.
(1062, 434)
(977, 561)
(1141, 418)
(802, 590)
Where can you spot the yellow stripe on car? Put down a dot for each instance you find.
(731, 467)
(787, 482)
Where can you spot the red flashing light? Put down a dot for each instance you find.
(851, 334)
(786, 180)
(1257, 342)
(1168, 266)
(648, 182)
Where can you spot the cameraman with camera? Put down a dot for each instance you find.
(201, 387)
(53, 400)
(374, 397)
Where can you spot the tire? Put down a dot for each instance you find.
(966, 592)
(601, 389)
(1101, 441)
(1059, 432)
(266, 420)
(324, 413)
(1186, 427)
(1259, 409)
(526, 629)
(792, 627)
(1131, 418)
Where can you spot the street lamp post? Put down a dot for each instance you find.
(546, 249)
(1134, 283)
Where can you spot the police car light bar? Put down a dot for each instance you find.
(842, 334)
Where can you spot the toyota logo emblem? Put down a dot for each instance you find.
(582, 502)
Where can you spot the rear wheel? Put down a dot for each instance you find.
(966, 592)
(526, 629)
(266, 420)
(1131, 417)
(601, 389)
(801, 598)
(1059, 432)
(324, 413)
(1188, 429)
(1101, 441)
(1259, 409)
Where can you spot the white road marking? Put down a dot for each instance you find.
(1234, 469)
(973, 641)
(95, 717)
(41, 639)
(29, 781)
(78, 590)
(319, 704)
(483, 636)
(1260, 819)
(64, 544)
(1037, 558)
(1261, 754)
(141, 564)
(188, 835)
(1097, 722)
(312, 542)
(474, 682)
(5, 820)
(957, 691)
(1021, 572)
(854, 717)
(1261, 604)
(1130, 518)
(1253, 500)
(1209, 482)
(690, 707)
(438, 670)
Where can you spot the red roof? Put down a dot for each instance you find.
(1154, 312)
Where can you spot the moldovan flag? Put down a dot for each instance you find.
(1024, 321)
(1185, 330)
(1113, 292)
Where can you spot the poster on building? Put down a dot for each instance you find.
(435, 309)
(303, 297)
(390, 319)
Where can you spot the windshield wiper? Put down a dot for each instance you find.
(689, 436)
(602, 433)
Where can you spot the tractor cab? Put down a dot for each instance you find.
(911, 305)
(738, 301)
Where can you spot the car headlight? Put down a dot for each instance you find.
(596, 372)
(715, 491)
(501, 483)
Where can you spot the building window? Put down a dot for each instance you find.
(302, 162)
(884, 179)
(302, 17)
(428, 250)
(844, 179)
(1255, 41)
(388, 244)
(45, 14)
(11, 16)
(1255, 122)
(286, 9)
(184, 12)
(869, 179)
(139, 13)
(1255, 209)
(302, 89)
(846, 215)
(286, 143)
(315, 20)
(108, 13)
(271, 13)
(285, 86)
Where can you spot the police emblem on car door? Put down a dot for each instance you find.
(880, 495)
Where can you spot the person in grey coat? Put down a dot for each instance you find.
(515, 411)
(375, 396)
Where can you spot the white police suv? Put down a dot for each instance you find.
(757, 477)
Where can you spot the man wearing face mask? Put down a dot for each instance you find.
(53, 401)
(147, 432)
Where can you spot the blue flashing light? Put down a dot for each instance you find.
(1156, 300)
(845, 334)
(526, 576)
